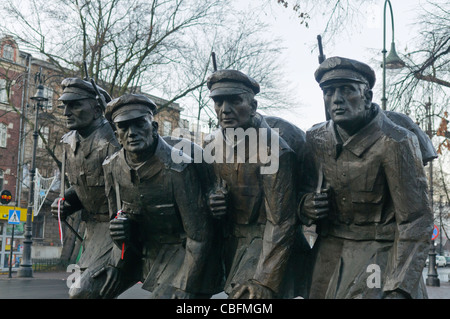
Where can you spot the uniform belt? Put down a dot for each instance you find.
(249, 231)
(363, 232)
(168, 238)
(171, 239)
(101, 218)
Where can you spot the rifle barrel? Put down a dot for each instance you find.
(86, 76)
(321, 55)
(213, 56)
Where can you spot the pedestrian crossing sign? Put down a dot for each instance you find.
(14, 217)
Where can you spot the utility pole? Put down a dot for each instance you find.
(25, 269)
(432, 277)
(441, 207)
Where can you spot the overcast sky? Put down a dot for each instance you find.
(363, 44)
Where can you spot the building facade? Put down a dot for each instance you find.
(12, 102)
(20, 73)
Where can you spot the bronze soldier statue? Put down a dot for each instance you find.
(159, 220)
(89, 141)
(371, 204)
(257, 207)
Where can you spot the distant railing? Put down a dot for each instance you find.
(49, 264)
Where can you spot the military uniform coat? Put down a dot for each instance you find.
(260, 224)
(381, 219)
(84, 158)
(172, 229)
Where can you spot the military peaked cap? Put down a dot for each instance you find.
(78, 89)
(128, 107)
(230, 82)
(338, 68)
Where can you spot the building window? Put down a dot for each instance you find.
(3, 95)
(8, 52)
(167, 128)
(48, 93)
(3, 134)
(45, 133)
(38, 226)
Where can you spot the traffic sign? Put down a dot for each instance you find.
(5, 196)
(4, 213)
(14, 217)
(435, 232)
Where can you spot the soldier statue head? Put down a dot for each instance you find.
(132, 114)
(233, 93)
(347, 90)
(81, 108)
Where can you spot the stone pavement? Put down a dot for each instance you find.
(441, 292)
(62, 275)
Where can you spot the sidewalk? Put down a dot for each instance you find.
(441, 292)
(62, 275)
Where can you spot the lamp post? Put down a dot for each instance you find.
(441, 207)
(25, 269)
(392, 61)
(432, 276)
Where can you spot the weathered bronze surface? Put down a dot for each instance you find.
(232, 221)
(371, 205)
(257, 209)
(89, 142)
(164, 232)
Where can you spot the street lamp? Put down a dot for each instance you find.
(392, 61)
(25, 269)
(432, 276)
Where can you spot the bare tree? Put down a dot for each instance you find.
(138, 45)
(342, 17)
(247, 48)
(422, 88)
(132, 44)
(119, 39)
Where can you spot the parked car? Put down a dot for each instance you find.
(447, 258)
(441, 261)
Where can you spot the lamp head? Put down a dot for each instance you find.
(393, 61)
(39, 96)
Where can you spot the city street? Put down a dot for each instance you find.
(443, 291)
(53, 285)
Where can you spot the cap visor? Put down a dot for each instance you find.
(227, 91)
(129, 115)
(72, 97)
(339, 75)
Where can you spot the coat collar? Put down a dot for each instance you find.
(160, 159)
(258, 122)
(88, 144)
(363, 139)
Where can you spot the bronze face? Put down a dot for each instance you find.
(80, 114)
(346, 103)
(136, 135)
(234, 111)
